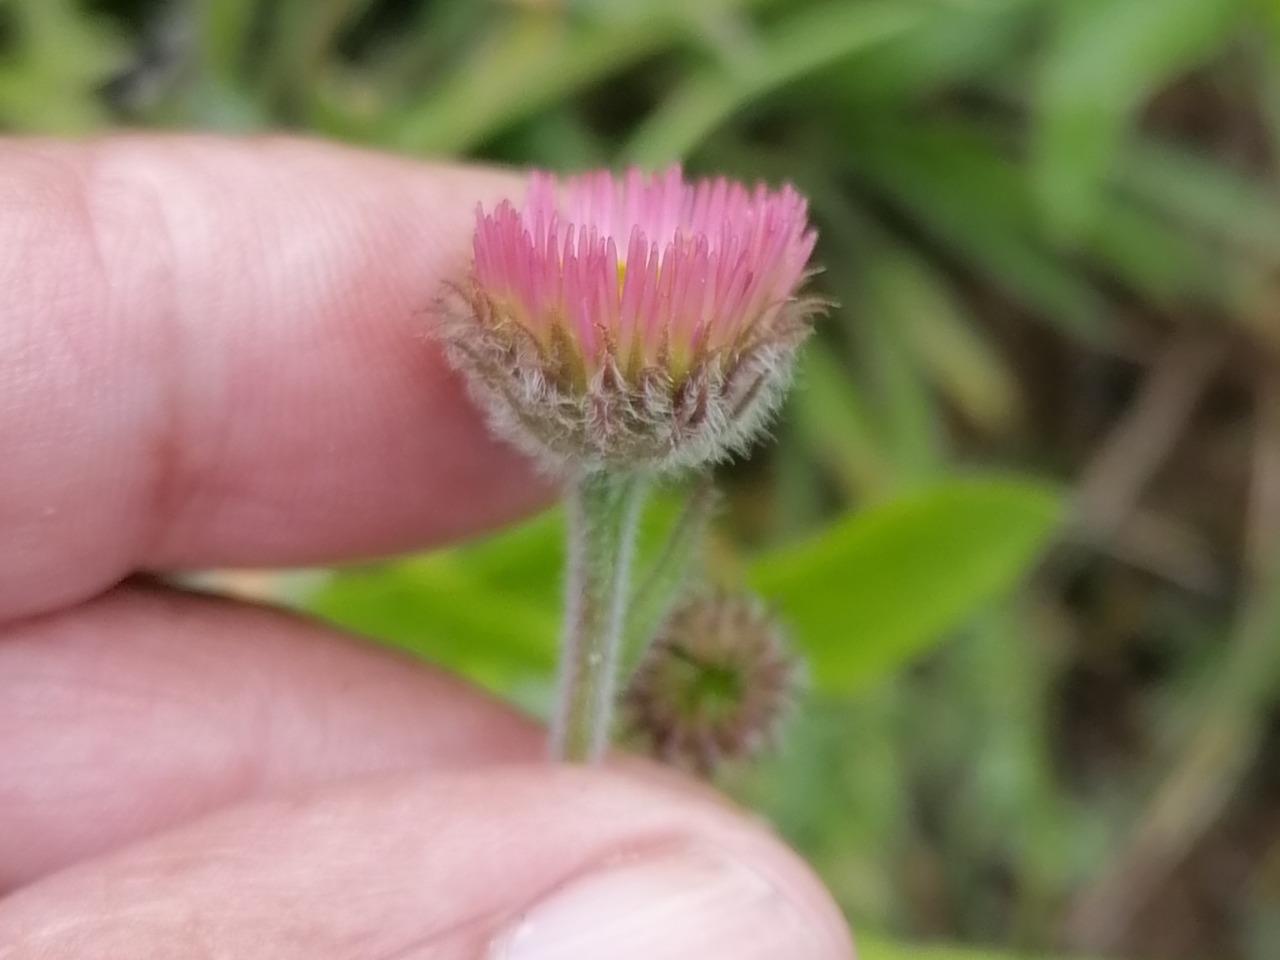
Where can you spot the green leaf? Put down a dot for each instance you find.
(871, 591)
(488, 610)
(1104, 60)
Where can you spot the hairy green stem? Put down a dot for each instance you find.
(602, 511)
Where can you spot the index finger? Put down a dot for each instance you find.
(214, 352)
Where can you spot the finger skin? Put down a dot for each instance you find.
(406, 867)
(147, 708)
(217, 351)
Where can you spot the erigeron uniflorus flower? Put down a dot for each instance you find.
(638, 322)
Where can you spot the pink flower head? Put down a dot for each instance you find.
(634, 321)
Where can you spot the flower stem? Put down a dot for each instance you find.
(602, 512)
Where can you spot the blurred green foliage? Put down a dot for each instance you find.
(872, 588)
(1011, 194)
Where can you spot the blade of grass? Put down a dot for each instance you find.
(964, 40)
(946, 341)
(964, 191)
(1203, 194)
(814, 38)
(1104, 59)
(534, 59)
(305, 31)
(833, 417)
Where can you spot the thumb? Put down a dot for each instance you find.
(516, 863)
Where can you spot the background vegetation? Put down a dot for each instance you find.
(1023, 511)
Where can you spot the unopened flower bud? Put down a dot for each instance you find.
(714, 685)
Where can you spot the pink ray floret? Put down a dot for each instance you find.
(644, 268)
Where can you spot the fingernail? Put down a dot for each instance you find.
(697, 905)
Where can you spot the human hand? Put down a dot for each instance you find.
(212, 353)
